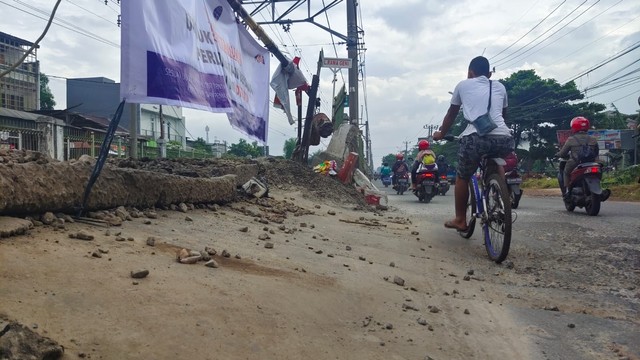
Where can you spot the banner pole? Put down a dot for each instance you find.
(266, 40)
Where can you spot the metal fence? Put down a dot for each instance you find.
(18, 134)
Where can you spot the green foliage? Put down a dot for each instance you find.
(539, 107)
(201, 145)
(243, 148)
(389, 159)
(46, 97)
(542, 183)
(289, 146)
(626, 176)
(174, 145)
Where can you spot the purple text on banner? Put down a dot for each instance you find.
(175, 80)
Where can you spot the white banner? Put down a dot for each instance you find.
(193, 53)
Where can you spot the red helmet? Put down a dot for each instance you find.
(400, 156)
(423, 145)
(579, 123)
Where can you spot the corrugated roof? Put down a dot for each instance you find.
(21, 114)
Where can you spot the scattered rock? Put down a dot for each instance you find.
(151, 241)
(434, 309)
(362, 258)
(147, 222)
(422, 321)
(348, 248)
(470, 272)
(225, 254)
(331, 212)
(415, 233)
(188, 218)
(263, 237)
(508, 264)
(398, 280)
(81, 235)
(130, 238)
(48, 218)
(96, 254)
(303, 225)
(139, 274)
(191, 259)
(204, 256)
(268, 245)
(19, 342)
(466, 312)
(392, 264)
(466, 278)
(182, 207)
(388, 326)
(571, 326)
(238, 256)
(211, 263)
(211, 251)
(120, 238)
(182, 254)
(551, 308)
(244, 229)
(104, 251)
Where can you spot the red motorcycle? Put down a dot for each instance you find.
(513, 179)
(583, 189)
(426, 183)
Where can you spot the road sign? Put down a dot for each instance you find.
(339, 63)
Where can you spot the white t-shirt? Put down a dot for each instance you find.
(473, 95)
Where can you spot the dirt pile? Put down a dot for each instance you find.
(280, 173)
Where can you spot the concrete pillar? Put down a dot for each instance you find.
(51, 141)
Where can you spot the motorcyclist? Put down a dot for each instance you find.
(385, 170)
(425, 156)
(399, 168)
(443, 167)
(573, 149)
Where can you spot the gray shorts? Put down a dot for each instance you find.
(473, 147)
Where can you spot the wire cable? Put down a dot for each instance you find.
(35, 44)
(533, 28)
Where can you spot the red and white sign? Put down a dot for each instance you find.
(336, 63)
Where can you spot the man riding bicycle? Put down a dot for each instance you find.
(474, 95)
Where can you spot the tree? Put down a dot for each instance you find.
(389, 159)
(289, 146)
(201, 145)
(46, 97)
(539, 107)
(243, 148)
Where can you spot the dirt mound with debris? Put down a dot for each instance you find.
(279, 173)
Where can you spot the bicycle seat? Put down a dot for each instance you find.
(498, 160)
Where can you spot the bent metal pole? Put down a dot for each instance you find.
(266, 40)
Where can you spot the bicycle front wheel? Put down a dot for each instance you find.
(497, 225)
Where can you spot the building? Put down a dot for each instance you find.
(100, 96)
(19, 89)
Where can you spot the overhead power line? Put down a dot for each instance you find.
(533, 28)
(514, 55)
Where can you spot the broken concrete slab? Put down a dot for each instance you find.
(19, 342)
(59, 187)
(10, 226)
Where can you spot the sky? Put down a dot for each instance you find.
(415, 52)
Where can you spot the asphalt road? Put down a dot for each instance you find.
(588, 267)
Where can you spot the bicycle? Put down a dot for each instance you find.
(489, 201)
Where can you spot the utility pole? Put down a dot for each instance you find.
(161, 141)
(352, 53)
(133, 131)
(431, 128)
(406, 148)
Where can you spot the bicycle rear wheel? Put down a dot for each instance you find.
(471, 213)
(497, 225)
